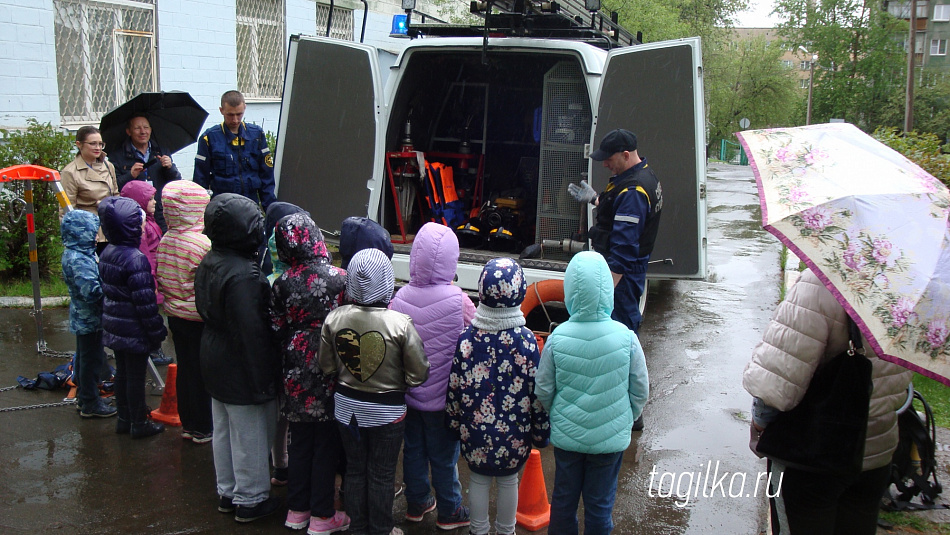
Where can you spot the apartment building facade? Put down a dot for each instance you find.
(67, 62)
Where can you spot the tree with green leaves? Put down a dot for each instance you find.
(931, 107)
(39, 144)
(748, 80)
(860, 56)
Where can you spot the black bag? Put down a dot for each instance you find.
(913, 467)
(826, 431)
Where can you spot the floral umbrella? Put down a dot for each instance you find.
(872, 225)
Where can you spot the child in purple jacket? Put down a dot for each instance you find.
(130, 320)
(440, 312)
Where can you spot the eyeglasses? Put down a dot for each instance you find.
(95, 144)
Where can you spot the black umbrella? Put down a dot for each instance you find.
(175, 117)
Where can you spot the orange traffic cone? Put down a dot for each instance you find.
(534, 511)
(167, 412)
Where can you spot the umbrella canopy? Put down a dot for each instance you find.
(872, 225)
(175, 117)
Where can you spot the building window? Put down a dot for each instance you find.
(901, 10)
(805, 65)
(938, 47)
(803, 83)
(787, 63)
(941, 13)
(105, 55)
(260, 48)
(341, 27)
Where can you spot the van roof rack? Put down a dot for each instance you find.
(564, 19)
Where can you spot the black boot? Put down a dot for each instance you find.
(146, 428)
(123, 426)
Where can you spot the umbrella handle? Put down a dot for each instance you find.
(909, 400)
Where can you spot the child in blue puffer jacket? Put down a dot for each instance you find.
(491, 403)
(81, 273)
(593, 381)
(133, 327)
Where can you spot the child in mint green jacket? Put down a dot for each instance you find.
(589, 353)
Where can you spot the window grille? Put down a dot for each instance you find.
(342, 24)
(105, 55)
(260, 48)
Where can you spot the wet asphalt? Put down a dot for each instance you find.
(689, 472)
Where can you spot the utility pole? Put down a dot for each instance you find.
(911, 63)
(813, 58)
(811, 83)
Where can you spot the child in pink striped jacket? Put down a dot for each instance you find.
(179, 253)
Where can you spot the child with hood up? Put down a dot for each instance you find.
(132, 326)
(81, 273)
(179, 253)
(439, 311)
(358, 233)
(240, 362)
(301, 298)
(272, 267)
(491, 404)
(593, 381)
(144, 194)
(376, 354)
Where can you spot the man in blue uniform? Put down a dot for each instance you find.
(233, 157)
(626, 221)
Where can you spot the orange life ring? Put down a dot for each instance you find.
(542, 292)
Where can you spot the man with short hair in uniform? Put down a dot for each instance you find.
(626, 221)
(233, 157)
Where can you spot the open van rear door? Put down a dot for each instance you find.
(656, 91)
(331, 104)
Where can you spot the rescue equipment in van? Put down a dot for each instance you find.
(444, 203)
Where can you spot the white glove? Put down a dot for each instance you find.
(582, 192)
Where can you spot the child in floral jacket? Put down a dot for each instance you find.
(302, 297)
(491, 402)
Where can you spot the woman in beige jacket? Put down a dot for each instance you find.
(807, 330)
(90, 177)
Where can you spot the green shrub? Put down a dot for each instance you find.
(39, 144)
(921, 148)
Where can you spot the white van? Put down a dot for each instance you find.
(514, 118)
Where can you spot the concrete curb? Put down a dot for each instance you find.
(790, 274)
(27, 302)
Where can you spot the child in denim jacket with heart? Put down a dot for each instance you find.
(376, 354)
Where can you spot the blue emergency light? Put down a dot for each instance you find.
(399, 28)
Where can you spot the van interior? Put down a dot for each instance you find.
(501, 136)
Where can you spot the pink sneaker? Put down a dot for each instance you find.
(326, 526)
(297, 519)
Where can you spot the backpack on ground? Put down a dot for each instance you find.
(914, 465)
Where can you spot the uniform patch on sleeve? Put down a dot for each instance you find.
(269, 160)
